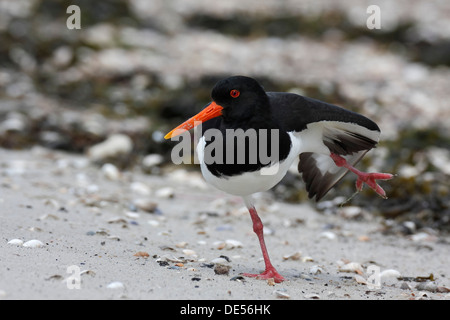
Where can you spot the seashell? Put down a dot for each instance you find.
(312, 296)
(141, 254)
(315, 269)
(33, 244)
(282, 294)
(153, 223)
(189, 252)
(113, 146)
(16, 242)
(293, 256)
(111, 172)
(167, 192)
(350, 267)
(328, 235)
(152, 160)
(219, 260)
(115, 285)
(182, 244)
(360, 279)
(132, 215)
(140, 188)
(145, 204)
(390, 273)
(231, 244)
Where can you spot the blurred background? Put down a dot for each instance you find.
(140, 67)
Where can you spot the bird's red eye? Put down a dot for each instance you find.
(234, 93)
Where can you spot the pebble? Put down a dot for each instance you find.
(427, 286)
(221, 269)
(33, 244)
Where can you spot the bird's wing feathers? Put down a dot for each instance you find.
(348, 140)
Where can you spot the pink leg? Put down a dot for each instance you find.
(270, 271)
(363, 177)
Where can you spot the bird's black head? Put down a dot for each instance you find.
(241, 98)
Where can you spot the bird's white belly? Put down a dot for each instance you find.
(249, 182)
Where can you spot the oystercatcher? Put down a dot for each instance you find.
(327, 140)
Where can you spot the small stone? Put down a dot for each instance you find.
(221, 269)
(405, 286)
(427, 286)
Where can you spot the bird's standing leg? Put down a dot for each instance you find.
(363, 177)
(270, 271)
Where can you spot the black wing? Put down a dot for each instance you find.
(343, 132)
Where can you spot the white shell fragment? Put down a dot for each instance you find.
(17, 242)
(390, 273)
(350, 267)
(111, 172)
(166, 192)
(113, 146)
(231, 244)
(293, 256)
(33, 244)
(115, 285)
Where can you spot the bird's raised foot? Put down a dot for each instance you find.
(268, 274)
(368, 178)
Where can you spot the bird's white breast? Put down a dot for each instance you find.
(249, 182)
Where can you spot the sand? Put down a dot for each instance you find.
(97, 244)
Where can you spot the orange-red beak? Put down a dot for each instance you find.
(211, 111)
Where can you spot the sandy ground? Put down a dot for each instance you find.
(90, 224)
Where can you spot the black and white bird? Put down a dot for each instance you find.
(258, 135)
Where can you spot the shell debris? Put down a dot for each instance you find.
(115, 285)
(17, 242)
(350, 267)
(33, 244)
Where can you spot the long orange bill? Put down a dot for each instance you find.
(211, 111)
